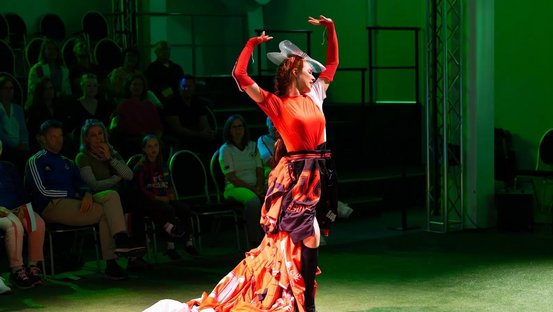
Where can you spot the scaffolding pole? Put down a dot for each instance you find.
(444, 116)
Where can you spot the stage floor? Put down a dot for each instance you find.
(366, 266)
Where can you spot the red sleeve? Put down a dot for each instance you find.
(331, 53)
(240, 70)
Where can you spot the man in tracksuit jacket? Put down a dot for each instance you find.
(59, 195)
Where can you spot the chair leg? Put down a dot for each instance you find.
(151, 238)
(197, 231)
(236, 230)
(96, 247)
(154, 235)
(51, 244)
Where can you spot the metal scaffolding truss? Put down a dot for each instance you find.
(444, 115)
(124, 22)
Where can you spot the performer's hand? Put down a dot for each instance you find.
(261, 38)
(321, 21)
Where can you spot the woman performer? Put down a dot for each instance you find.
(279, 275)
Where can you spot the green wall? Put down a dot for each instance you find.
(351, 18)
(523, 80)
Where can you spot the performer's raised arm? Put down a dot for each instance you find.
(332, 58)
(240, 70)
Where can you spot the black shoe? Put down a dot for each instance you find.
(35, 274)
(21, 279)
(114, 272)
(191, 250)
(125, 247)
(138, 265)
(173, 254)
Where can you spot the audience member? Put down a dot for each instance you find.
(45, 106)
(13, 200)
(101, 166)
(158, 199)
(102, 169)
(13, 129)
(120, 75)
(266, 147)
(90, 105)
(163, 74)
(56, 188)
(50, 64)
(241, 165)
(135, 117)
(83, 65)
(187, 120)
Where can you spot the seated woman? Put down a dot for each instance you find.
(13, 129)
(90, 105)
(50, 64)
(241, 165)
(13, 198)
(102, 168)
(135, 117)
(158, 199)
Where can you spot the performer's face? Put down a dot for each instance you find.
(305, 79)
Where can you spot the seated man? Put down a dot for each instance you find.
(56, 187)
(187, 120)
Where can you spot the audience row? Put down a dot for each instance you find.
(99, 187)
(162, 101)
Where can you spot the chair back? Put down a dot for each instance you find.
(95, 26)
(7, 58)
(108, 55)
(545, 154)
(68, 56)
(4, 28)
(133, 160)
(53, 27)
(217, 176)
(18, 30)
(32, 50)
(189, 177)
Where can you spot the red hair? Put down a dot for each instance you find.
(285, 73)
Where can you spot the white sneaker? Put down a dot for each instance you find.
(4, 289)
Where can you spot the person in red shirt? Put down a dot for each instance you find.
(158, 199)
(135, 117)
(279, 275)
(297, 202)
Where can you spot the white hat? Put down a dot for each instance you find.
(288, 49)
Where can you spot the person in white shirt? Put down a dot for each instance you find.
(241, 164)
